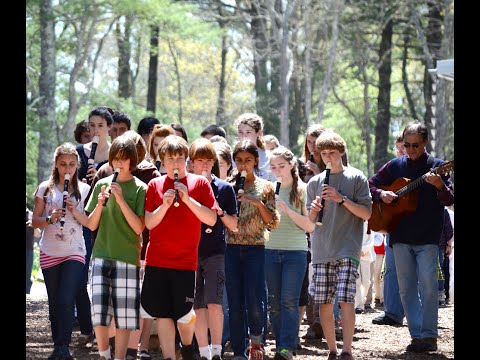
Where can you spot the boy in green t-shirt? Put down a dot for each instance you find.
(115, 280)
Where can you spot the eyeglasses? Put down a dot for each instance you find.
(408, 145)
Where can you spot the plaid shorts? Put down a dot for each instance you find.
(115, 282)
(334, 279)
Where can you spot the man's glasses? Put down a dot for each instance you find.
(408, 145)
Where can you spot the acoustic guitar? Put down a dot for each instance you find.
(386, 217)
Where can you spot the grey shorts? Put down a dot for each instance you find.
(210, 281)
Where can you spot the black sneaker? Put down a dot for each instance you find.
(413, 345)
(283, 354)
(430, 344)
(384, 319)
(187, 352)
(63, 353)
(422, 345)
(315, 331)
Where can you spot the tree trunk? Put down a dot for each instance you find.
(384, 85)
(220, 116)
(124, 55)
(46, 110)
(366, 120)
(83, 46)
(82, 52)
(307, 64)
(285, 74)
(152, 69)
(171, 47)
(337, 6)
(434, 40)
(260, 57)
(443, 130)
(272, 117)
(296, 114)
(430, 44)
(408, 94)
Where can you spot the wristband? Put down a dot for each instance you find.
(49, 220)
(343, 200)
(223, 214)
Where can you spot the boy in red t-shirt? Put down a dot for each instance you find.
(174, 212)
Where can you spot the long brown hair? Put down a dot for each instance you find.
(313, 130)
(297, 193)
(160, 131)
(64, 149)
(256, 123)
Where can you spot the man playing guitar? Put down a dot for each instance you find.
(415, 239)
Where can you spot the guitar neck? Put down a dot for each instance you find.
(443, 169)
(413, 185)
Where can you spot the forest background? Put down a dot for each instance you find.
(360, 67)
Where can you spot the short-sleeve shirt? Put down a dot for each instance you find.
(115, 239)
(57, 243)
(252, 230)
(341, 234)
(174, 241)
(288, 235)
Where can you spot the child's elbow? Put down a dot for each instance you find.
(310, 227)
(212, 220)
(148, 225)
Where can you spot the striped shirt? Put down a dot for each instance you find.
(47, 261)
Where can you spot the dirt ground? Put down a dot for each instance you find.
(370, 341)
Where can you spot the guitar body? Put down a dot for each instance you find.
(386, 217)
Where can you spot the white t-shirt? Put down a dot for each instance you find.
(55, 242)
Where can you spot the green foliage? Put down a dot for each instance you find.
(36, 260)
(189, 56)
(31, 162)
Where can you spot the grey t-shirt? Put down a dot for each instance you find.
(341, 234)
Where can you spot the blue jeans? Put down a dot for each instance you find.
(336, 309)
(28, 274)
(417, 273)
(245, 280)
(61, 282)
(441, 283)
(284, 271)
(82, 300)
(226, 319)
(391, 294)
